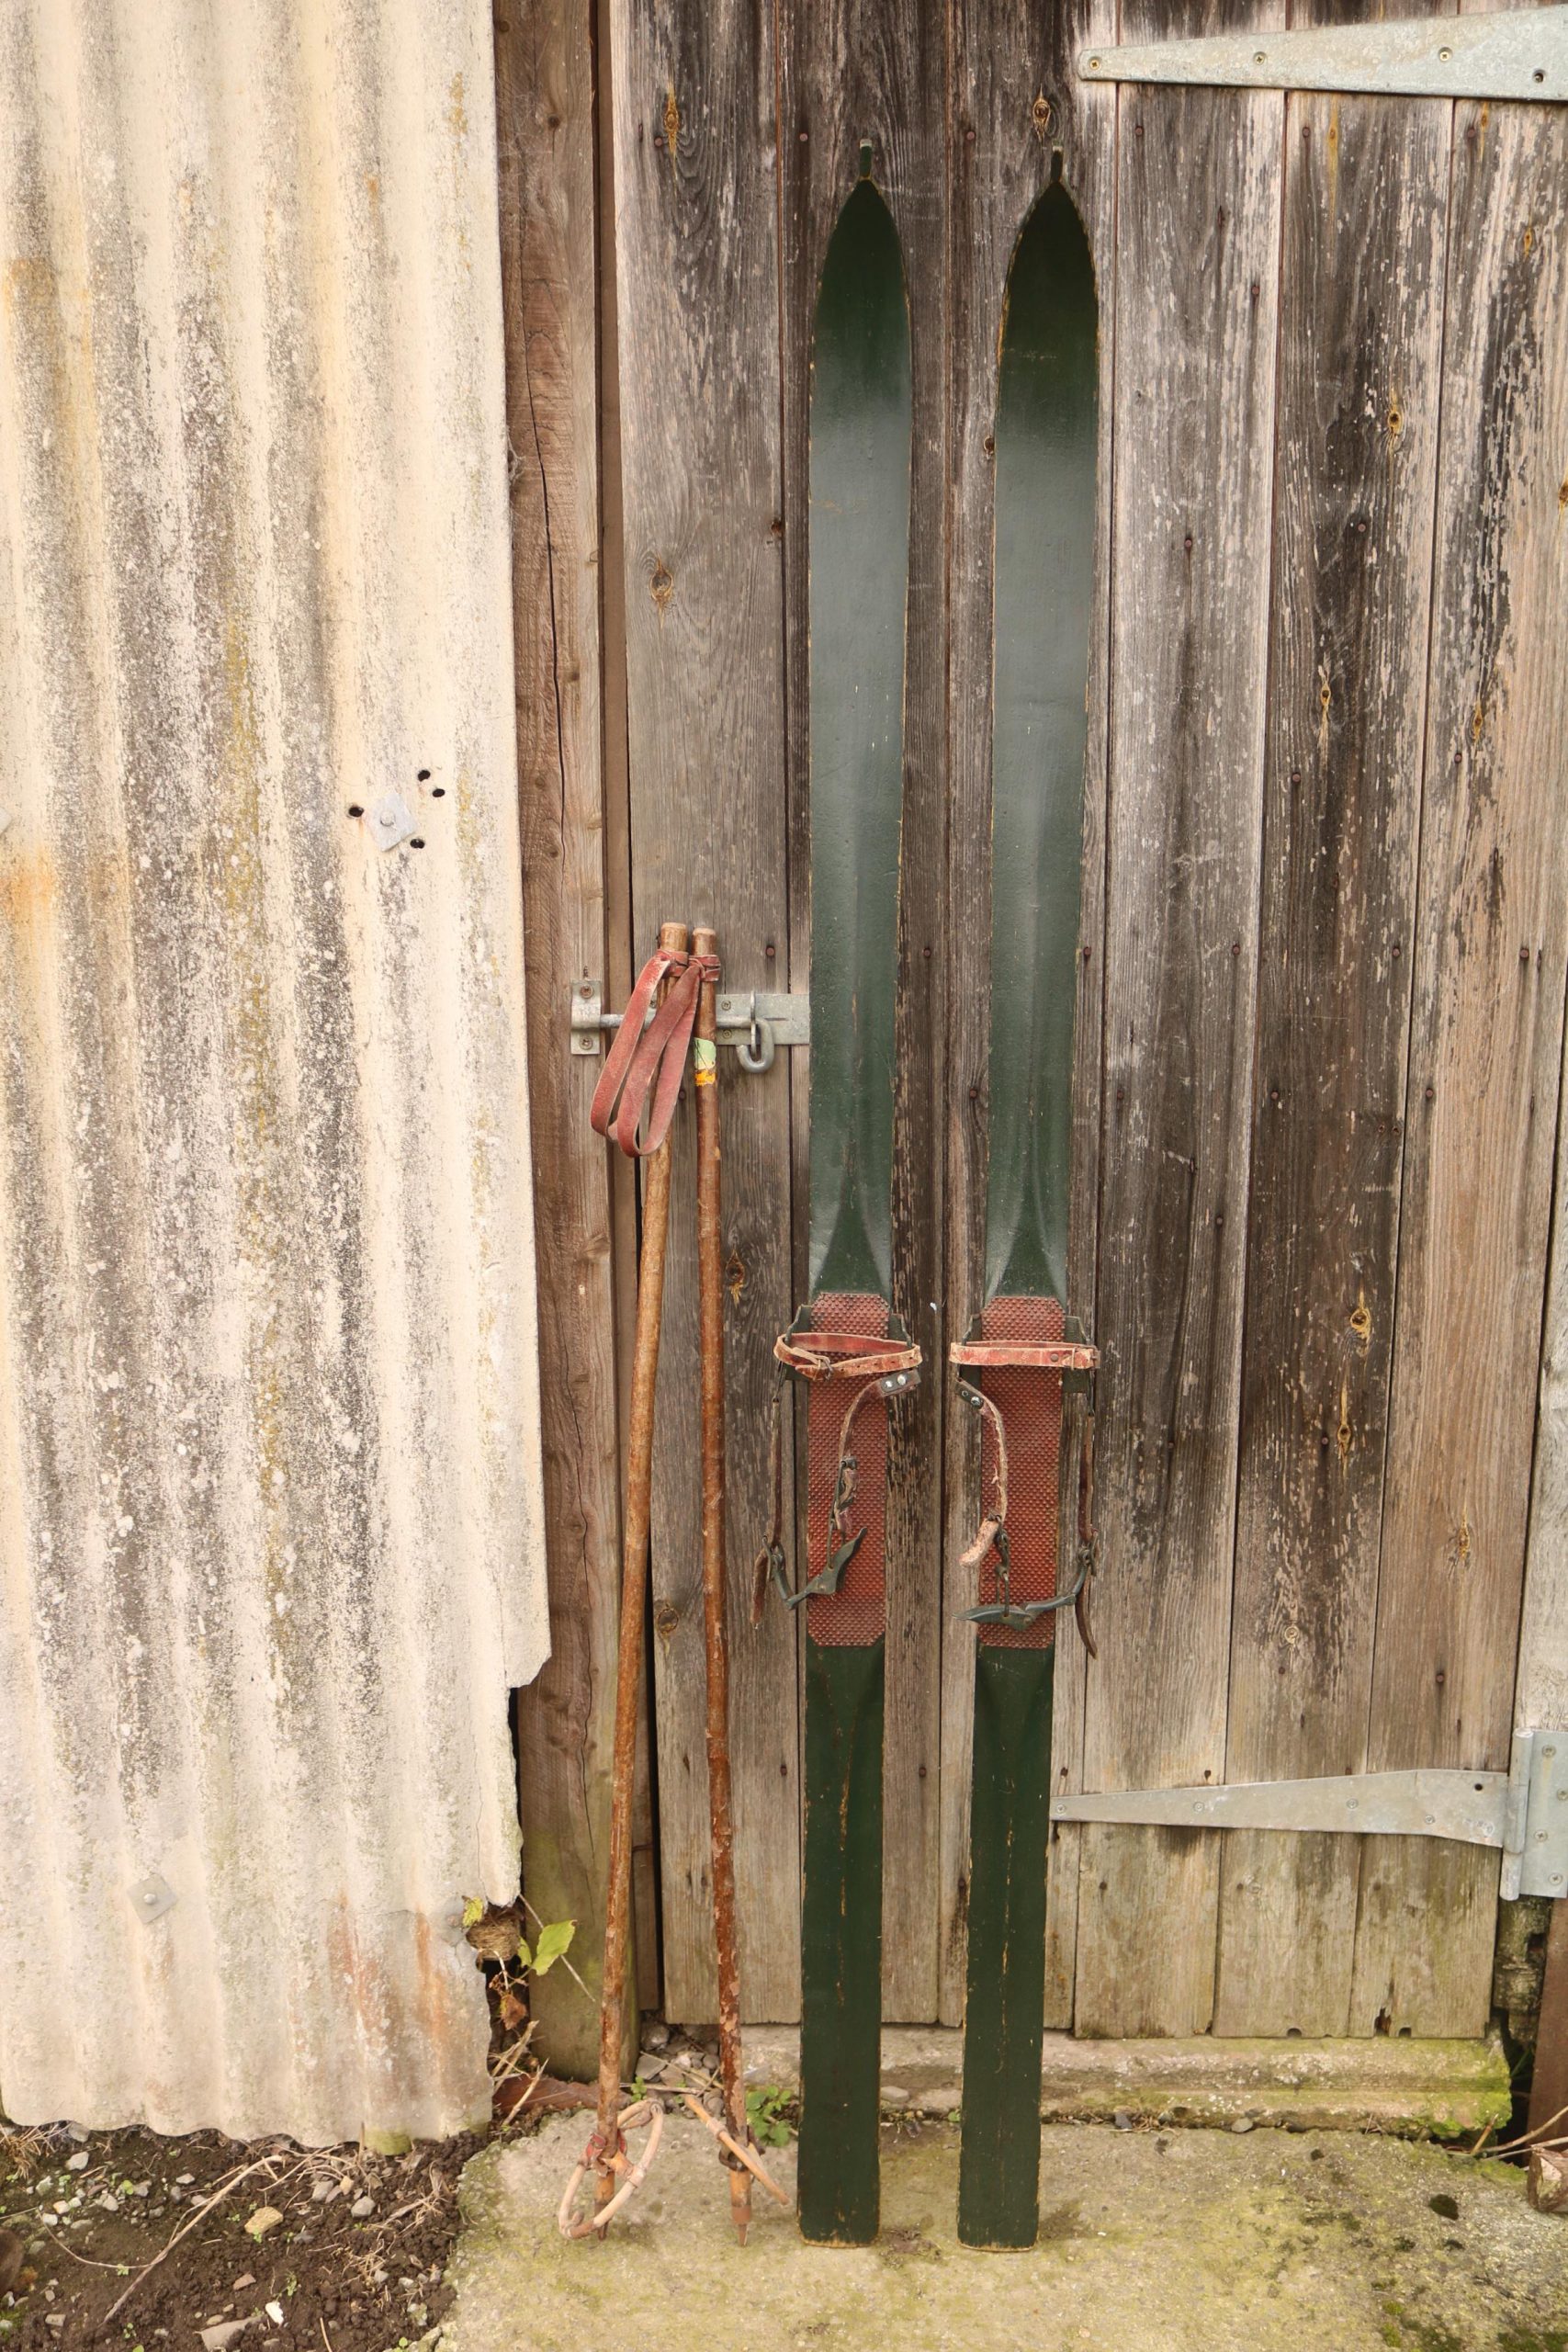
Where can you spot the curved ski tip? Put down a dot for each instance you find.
(1052, 270)
(861, 332)
(864, 241)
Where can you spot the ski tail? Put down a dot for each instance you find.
(853, 1365)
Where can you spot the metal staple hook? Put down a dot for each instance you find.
(755, 1050)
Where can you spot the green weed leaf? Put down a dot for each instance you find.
(553, 1940)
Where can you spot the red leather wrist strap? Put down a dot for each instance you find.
(645, 1065)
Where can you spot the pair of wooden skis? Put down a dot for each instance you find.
(673, 1006)
(846, 1344)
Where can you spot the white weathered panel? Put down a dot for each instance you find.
(270, 1531)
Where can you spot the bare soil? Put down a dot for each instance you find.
(335, 2274)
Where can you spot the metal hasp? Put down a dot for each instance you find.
(751, 1020)
(1523, 1812)
(1516, 53)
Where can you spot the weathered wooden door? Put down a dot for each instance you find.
(1323, 952)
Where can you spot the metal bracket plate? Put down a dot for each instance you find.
(1535, 1853)
(753, 1019)
(1523, 1812)
(152, 1895)
(390, 821)
(1515, 53)
(789, 1017)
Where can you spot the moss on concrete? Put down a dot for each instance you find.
(1152, 2241)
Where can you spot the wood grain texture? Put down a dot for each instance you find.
(855, 73)
(1197, 244)
(1360, 335)
(545, 111)
(1549, 2083)
(1540, 1698)
(692, 106)
(1021, 105)
(1486, 1035)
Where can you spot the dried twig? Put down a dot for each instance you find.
(702, 2075)
(519, 2105)
(1528, 2138)
(509, 2062)
(261, 2165)
(87, 2260)
(753, 2164)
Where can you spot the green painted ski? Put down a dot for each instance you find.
(1046, 440)
(861, 425)
(859, 570)
(1046, 437)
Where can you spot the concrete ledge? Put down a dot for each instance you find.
(1443, 2089)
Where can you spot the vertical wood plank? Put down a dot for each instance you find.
(697, 307)
(1486, 1040)
(545, 123)
(1197, 237)
(854, 72)
(1360, 359)
(1541, 1700)
(1019, 106)
(1549, 2083)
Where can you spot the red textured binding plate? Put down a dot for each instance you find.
(1029, 1401)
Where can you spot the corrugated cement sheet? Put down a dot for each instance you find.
(269, 1495)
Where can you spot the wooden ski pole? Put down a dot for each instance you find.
(710, 1304)
(628, 1667)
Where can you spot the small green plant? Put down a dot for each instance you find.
(552, 1941)
(765, 2114)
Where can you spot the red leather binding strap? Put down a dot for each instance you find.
(856, 1615)
(1019, 1357)
(1054, 1355)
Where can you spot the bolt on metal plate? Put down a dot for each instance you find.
(152, 1897)
(390, 821)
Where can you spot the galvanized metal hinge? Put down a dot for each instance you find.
(751, 1020)
(1523, 1812)
(1515, 53)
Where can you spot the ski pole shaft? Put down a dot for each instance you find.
(629, 1667)
(710, 1306)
